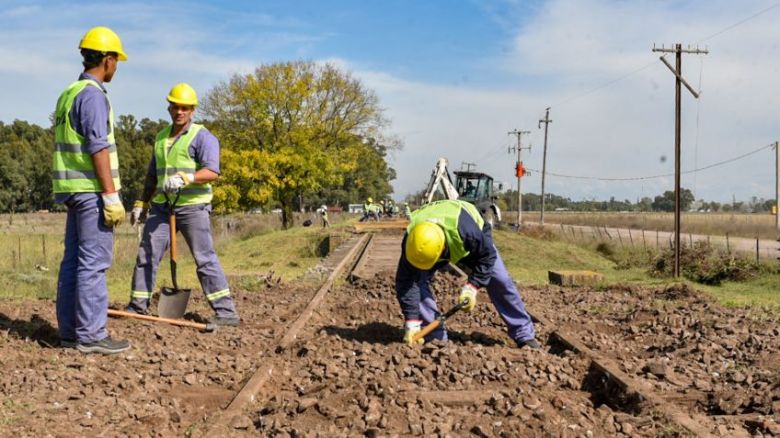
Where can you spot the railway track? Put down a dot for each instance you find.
(341, 352)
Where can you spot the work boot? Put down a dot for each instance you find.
(133, 308)
(530, 343)
(230, 321)
(68, 343)
(104, 346)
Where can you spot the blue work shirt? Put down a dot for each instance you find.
(89, 118)
(204, 149)
(480, 260)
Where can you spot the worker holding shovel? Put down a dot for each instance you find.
(185, 161)
(454, 232)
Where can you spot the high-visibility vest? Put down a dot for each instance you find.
(175, 160)
(72, 167)
(446, 214)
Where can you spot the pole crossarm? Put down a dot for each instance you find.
(679, 76)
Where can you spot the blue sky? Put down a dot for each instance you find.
(455, 76)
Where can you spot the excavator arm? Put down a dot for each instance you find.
(440, 177)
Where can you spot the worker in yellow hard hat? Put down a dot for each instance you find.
(455, 232)
(85, 177)
(178, 180)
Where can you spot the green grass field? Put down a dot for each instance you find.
(254, 244)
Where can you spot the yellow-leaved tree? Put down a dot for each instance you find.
(287, 130)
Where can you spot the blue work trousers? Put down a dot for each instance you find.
(502, 292)
(82, 294)
(193, 221)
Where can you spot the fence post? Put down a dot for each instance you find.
(728, 246)
(644, 242)
(690, 239)
(19, 245)
(620, 238)
(607, 232)
(43, 247)
(657, 245)
(758, 259)
(631, 238)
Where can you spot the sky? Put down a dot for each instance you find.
(455, 76)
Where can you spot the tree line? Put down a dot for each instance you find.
(659, 203)
(293, 135)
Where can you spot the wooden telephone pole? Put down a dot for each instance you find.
(679, 80)
(546, 122)
(519, 149)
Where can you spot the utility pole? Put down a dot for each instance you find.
(468, 166)
(518, 166)
(546, 122)
(679, 80)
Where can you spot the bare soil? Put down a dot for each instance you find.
(348, 375)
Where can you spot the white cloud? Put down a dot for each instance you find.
(565, 49)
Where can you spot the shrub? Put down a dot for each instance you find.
(704, 264)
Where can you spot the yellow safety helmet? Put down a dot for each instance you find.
(103, 39)
(424, 245)
(370, 200)
(183, 94)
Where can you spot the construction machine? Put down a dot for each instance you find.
(474, 187)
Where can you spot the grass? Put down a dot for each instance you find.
(529, 258)
(750, 225)
(31, 249)
(254, 245)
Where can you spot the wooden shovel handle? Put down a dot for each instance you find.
(172, 221)
(424, 332)
(179, 322)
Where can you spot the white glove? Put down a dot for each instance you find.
(139, 213)
(176, 182)
(411, 328)
(468, 292)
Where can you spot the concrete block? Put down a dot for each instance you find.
(574, 278)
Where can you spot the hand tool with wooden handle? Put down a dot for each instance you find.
(439, 322)
(180, 322)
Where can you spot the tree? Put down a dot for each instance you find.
(289, 129)
(135, 145)
(665, 202)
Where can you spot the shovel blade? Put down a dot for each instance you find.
(173, 302)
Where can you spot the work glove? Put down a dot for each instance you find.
(138, 215)
(468, 292)
(113, 210)
(412, 327)
(176, 182)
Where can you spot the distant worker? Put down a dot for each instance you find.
(370, 210)
(323, 211)
(186, 158)
(85, 177)
(454, 231)
(407, 210)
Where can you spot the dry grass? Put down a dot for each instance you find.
(760, 225)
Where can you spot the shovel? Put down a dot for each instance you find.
(440, 321)
(173, 301)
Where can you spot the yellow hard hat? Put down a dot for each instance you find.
(183, 94)
(370, 200)
(424, 245)
(103, 39)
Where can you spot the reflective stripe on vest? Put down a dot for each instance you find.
(447, 214)
(178, 159)
(72, 167)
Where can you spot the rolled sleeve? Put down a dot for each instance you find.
(204, 149)
(89, 117)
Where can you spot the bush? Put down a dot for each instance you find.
(704, 264)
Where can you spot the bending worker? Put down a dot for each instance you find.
(85, 177)
(454, 231)
(185, 161)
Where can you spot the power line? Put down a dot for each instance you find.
(744, 20)
(666, 175)
(644, 67)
